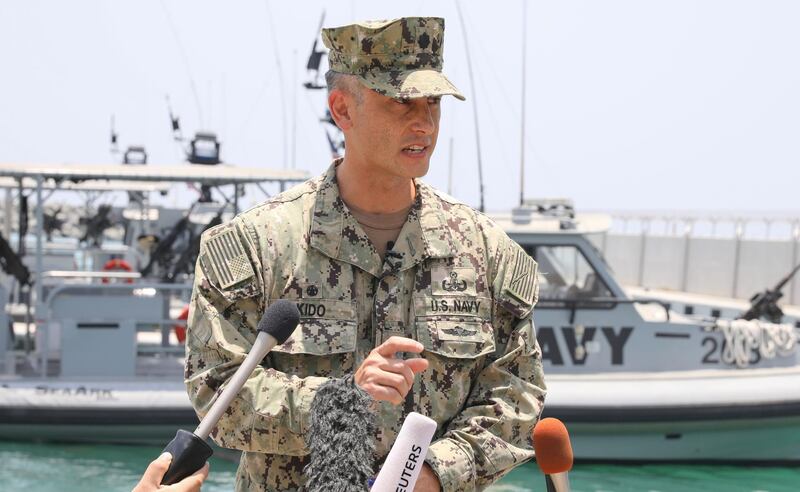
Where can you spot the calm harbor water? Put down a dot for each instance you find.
(28, 467)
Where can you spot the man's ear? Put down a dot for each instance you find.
(340, 104)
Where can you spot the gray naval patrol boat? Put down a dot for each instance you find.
(90, 349)
(634, 379)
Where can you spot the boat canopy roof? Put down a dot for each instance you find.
(551, 216)
(221, 174)
(580, 224)
(87, 185)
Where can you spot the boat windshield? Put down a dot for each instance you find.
(565, 274)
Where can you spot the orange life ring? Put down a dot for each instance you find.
(117, 265)
(180, 330)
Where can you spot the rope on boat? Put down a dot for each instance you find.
(743, 337)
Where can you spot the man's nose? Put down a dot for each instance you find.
(423, 121)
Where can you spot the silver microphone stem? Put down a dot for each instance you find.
(558, 482)
(263, 344)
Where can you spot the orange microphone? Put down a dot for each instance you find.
(553, 453)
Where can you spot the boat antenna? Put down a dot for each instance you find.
(333, 133)
(280, 78)
(185, 60)
(522, 122)
(315, 60)
(177, 133)
(474, 103)
(450, 169)
(175, 122)
(294, 109)
(114, 138)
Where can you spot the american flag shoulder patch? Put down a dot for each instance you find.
(227, 259)
(521, 277)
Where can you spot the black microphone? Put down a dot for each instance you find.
(340, 438)
(189, 450)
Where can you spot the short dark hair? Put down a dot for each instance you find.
(344, 82)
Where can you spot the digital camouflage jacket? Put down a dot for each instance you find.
(453, 281)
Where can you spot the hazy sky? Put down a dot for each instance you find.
(631, 104)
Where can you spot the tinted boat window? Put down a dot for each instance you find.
(566, 275)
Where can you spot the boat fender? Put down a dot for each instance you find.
(117, 265)
(180, 328)
(743, 338)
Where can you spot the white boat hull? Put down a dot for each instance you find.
(711, 416)
(124, 412)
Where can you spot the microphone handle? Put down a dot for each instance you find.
(557, 482)
(189, 449)
(263, 344)
(549, 483)
(189, 454)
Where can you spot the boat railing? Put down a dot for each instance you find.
(103, 322)
(573, 305)
(90, 275)
(725, 255)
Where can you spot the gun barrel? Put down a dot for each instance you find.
(785, 280)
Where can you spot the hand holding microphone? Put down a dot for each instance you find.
(151, 479)
(189, 450)
(387, 378)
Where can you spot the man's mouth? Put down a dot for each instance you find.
(415, 149)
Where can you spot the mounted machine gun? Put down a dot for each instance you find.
(188, 257)
(53, 223)
(12, 263)
(765, 304)
(164, 253)
(96, 225)
(176, 260)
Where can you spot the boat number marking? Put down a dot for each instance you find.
(578, 350)
(715, 349)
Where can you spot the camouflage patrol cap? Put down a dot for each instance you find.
(400, 58)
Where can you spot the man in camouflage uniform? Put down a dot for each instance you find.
(449, 289)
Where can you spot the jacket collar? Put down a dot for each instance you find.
(337, 234)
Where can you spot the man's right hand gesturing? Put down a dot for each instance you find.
(387, 378)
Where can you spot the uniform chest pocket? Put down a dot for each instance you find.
(326, 327)
(456, 337)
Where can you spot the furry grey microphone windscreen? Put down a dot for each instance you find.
(280, 319)
(341, 438)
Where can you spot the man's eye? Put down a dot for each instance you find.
(434, 100)
(402, 100)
